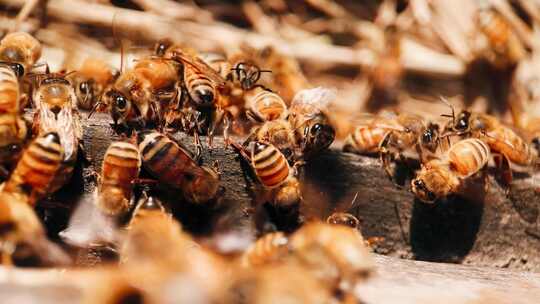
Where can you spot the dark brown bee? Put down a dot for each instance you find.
(120, 168)
(20, 48)
(174, 166)
(34, 175)
(440, 177)
(266, 250)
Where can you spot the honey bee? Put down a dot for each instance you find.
(342, 218)
(56, 111)
(120, 168)
(22, 235)
(502, 140)
(277, 132)
(13, 128)
(36, 171)
(335, 254)
(505, 48)
(90, 81)
(132, 100)
(173, 165)
(273, 172)
(20, 49)
(264, 105)
(308, 117)
(440, 177)
(266, 250)
(392, 135)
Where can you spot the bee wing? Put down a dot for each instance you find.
(200, 65)
(88, 225)
(319, 98)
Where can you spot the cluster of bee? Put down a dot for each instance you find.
(449, 155)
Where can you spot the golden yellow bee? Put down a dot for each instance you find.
(121, 166)
(264, 105)
(20, 48)
(440, 177)
(90, 81)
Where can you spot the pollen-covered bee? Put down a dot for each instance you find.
(121, 166)
(274, 173)
(505, 48)
(90, 81)
(334, 254)
(22, 49)
(309, 119)
(56, 111)
(175, 166)
(35, 173)
(269, 248)
(502, 140)
(440, 177)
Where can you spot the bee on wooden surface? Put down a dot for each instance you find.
(274, 173)
(505, 144)
(267, 249)
(90, 81)
(505, 48)
(133, 98)
(36, 171)
(264, 105)
(343, 218)
(366, 137)
(440, 177)
(22, 235)
(56, 111)
(173, 165)
(121, 166)
(22, 49)
(309, 119)
(279, 133)
(335, 254)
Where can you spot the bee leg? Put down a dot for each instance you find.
(227, 120)
(252, 117)
(385, 155)
(217, 117)
(504, 172)
(4, 172)
(242, 151)
(198, 148)
(252, 137)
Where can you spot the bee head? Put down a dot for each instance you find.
(319, 136)
(17, 68)
(422, 191)
(203, 97)
(463, 121)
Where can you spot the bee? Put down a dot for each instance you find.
(335, 254)
(505, 48)
(20, 49)
(56, 111)
(267, 249)
(90, 81)
(342, 218)
(440, 177)
(264, 105)
(504, 143)
(277, 132)
(309, 119)
(394, 134)
(173, 165)
(22, 235)
(274, 173)
(121, 166)
(13, 127)
(36, 171)
(153, 233)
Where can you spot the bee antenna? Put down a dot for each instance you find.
(445, 101)
(94, 108)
